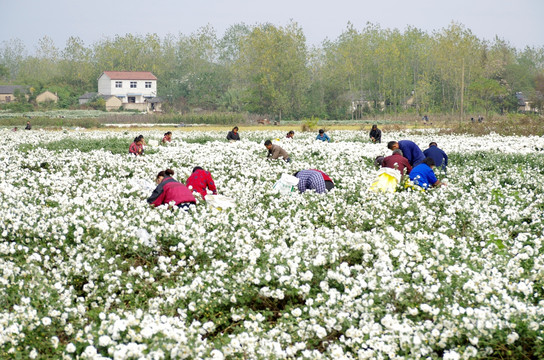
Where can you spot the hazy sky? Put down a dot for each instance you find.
(517, 21)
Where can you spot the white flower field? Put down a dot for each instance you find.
(89, 270)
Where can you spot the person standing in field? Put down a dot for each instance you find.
(375, 134)
(410, 150)
(398, 162)
(438, 155)
(322, 136)
(200, 180)
(275, 151)
(169, 190)
(136, 148)
(28, 126)
(423, 175)
(233, 135)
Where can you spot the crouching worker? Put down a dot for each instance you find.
(311, 180)
(200, 180)
(328, 181)
(169, 190)
(423, 174)
(167, 137)
(137, 147)
(275, 151)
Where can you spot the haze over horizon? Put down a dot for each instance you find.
(516, 22)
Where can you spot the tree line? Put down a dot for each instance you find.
(269, 69)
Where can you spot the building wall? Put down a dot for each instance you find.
(46, 96)
(106, 86)
(113, 103)
(136, 106)
(4, 98)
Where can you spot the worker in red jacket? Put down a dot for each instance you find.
(169, 190)
(201, 179)
(397, 161)
(137, 147)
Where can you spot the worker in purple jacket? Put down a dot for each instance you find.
(410, 150)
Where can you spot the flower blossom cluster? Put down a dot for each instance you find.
(89, 270)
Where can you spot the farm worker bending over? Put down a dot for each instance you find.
(438, 155)
(398, 162)
(137, 147)
(167, 137)
(311, 180)
(290, 134)
(275, 151)
(199, 180)
(169, 190)
(409, 150)
(328, 181)
(375, 134)
(322, 136)
(233, 135)
(423, 174)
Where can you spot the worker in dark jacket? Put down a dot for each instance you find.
(410, 150)
(438, 155)
(233, 135)
(169, 190)
(375, 134)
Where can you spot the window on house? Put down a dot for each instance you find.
(133, 84)
(118, 84)
(131, 99)
(148, 84)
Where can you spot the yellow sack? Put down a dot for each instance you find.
(387, 180)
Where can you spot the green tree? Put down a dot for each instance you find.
(457, 60)
(4, 72)
(76, 66)
(272, 67)
(486, 93)
(12, 55)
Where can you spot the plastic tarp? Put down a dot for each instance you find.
(220, 201)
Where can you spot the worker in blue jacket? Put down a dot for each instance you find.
(323, 136)
(438, 155)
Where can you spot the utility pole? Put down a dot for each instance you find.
(462, 113)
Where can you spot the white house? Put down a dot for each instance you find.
(133, 88)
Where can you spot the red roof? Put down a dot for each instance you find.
(130, 75)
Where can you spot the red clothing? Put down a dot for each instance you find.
(165, 139)
(400, 161)
(201, 179)
(136, 149)
(171, 190)
(325, 176)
